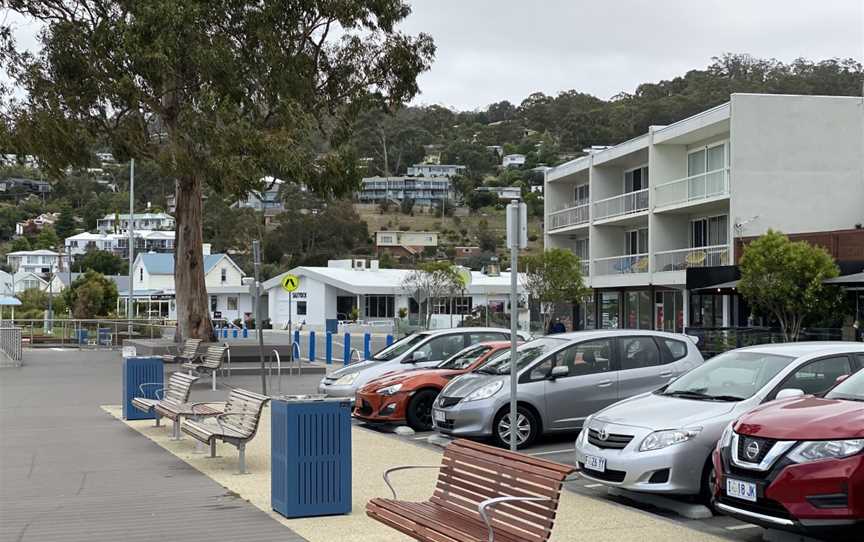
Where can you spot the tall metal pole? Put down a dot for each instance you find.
(256, 257)
(131, 243)
(514, 319)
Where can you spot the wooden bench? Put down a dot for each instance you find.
(237, 425)
(179, 386)
(210, 362)
(188, 353)
(483, 494)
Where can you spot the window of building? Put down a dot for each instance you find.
(637, 309)
(609, 310)
(668, 311)
(582, 194)
(301, 308)
(636, 241)
(636, 179)
(232, 303)
(580, 248)
(213, 303)
(141, 274)
(709, 231)
(380, 306)
(462, 305)
(224, 274)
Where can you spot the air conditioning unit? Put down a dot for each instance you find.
(360, 265)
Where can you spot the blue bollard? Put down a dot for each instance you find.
(234, 332)
(297, 337)
(367, 345)
(312, 346)
(389, 340)
(347, 349)
(224, 332)
(328, 346)
(245, 332)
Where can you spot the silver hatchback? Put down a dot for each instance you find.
(562, 380)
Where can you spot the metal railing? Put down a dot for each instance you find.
(693, 189)
(84, 333)
(573, 215)
(11, 353)
(620, 265)
(716, 340)
(681, 259)
(621, 205)
(585, 267)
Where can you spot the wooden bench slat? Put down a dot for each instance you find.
(503, 516)
(561, 469)
(481, 493)
(532, 485)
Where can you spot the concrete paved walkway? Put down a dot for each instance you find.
(71, 472)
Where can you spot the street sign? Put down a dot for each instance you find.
(517, 224)
(290, 283)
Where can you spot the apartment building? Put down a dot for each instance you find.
(435, 170)
(424, 191)
(140, 221)
(649, 216)
(118, 243)
(34, 261)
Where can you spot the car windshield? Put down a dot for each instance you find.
(851, 389)
(399, 347)
(526, 354)
(733, 376)
(461, 360)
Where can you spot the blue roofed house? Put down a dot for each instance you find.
(154, 289)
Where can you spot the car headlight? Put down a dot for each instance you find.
(726, 438)
(825, 449)
(583, 434)
(484, 392)
(346, 380)
(663, 439)
(389, 390)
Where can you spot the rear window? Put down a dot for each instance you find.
(678, 349)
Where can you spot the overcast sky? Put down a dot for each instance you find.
(492, 50)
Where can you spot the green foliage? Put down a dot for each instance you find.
(65, 225)
(9, 216)
(34, 303)
(230, 229)
(478, 200)
(21, 243)
(385, 261)
(102, 262)
(785, 280)
(312, 239)
(91, 295)
(47, 239)
(406, 206)
(487, 240)
(551, 277)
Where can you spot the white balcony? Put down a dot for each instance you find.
(681, 259)
(693, 189)
(622, 205)
(573, 215)
(585, 267)
(621, 265)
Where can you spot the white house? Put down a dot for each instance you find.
(154, 287)
(422, 190)
(333, 292)
(265, 200)
(118, 243)
(513, 160)
(141, 221)
(435, 170)
(650, 249)
(502, 192)
(34, 261)
(37, 224)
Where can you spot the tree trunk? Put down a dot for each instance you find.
(193, 316)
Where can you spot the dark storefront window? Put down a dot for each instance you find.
(609, 303)
(637, 309)
(668, 311)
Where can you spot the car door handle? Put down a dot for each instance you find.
(604, 384)
(667, 374)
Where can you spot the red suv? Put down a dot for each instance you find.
(797, 464)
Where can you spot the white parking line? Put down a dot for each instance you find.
(553, 452)
(590, 486)
(740, 527)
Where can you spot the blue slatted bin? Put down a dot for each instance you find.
(137, 371)
(310, 455)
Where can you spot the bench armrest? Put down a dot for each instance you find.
(198, 404)
(489, 503)
(406, 467)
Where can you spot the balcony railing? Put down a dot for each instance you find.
(586, 268)
(694, 188)
(573, 215)
(679, 260)
(625, 204)
(620, 265)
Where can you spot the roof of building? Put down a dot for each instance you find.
(385, 281)
(163, 263)
(40, 252)
(125, 216)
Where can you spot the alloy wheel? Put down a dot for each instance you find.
(523, 428)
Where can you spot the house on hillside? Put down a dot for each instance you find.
(424, 191)
(404, 244)
(513, 160)
(435, 170)
(35, 225)
(141, 221)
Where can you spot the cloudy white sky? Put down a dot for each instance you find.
(491, 50)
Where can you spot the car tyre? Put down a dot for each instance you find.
(529, 427)
(709, 477)
(419, 411)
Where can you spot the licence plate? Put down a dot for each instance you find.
(439, 416)
(741, 490)
(595, 463)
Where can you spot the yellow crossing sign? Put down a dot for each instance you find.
(290, 283)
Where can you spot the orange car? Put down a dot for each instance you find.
(407, 396)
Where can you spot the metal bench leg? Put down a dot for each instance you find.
(241, 460)
(158, 417)
(175, 429)
(213, 377)
(212, 447)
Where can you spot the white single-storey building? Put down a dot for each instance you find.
(332, 293)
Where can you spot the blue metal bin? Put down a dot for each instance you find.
(137, 371)
(81, 336)
(310, 454)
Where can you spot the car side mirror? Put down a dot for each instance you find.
(416, 357)
(559, 371)
(789, 393)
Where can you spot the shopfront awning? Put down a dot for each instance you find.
(731, 285)
(854, 281)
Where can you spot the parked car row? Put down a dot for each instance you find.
(770, 434)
